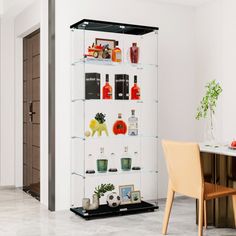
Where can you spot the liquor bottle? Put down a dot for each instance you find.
(126, 160)
(119, 126)
(135, 90)
(134, 53)
(102, 162)
(107, 89)
(116, 53)
(133, 124)
(112, 163)
(136, 163)
(90, 160)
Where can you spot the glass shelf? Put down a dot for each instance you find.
(131, 172)
(109, 62)
(113, 27)
(113, 137)
(113, 101)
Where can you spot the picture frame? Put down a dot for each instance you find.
(135, 197)
(110, 42)
(125, 193)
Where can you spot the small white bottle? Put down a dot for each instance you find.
(91, 161)
(133, 124)
(112, 163)
(136, 162)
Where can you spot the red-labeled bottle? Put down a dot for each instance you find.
(119, 126)
(107, 89)
(135, 90)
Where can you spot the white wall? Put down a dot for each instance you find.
(15, 5)
(16, 24)
(176, 74)
(7, 101)
(216, 56)
(13, 27)
(208, 53)
(1, 7)
(44, 102)
(204, 37)
(228, 69)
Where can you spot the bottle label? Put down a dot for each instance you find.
(118, 56)
(133, 126)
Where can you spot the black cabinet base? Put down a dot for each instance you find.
(106, 211)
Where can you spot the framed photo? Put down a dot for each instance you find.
(135, 196)
(125, 193)
(110, 42)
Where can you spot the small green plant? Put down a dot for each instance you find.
(100, 190)
(208, 102)
(135, 198)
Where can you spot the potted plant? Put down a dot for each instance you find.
(100, 190)
(208, 104)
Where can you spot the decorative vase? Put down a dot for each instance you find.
(210, 129)
(88, 206)
(102, 165)
(86, 203)
(134, 53)
(126, 163)
(96, 201)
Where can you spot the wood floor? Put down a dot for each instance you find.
(22, 215)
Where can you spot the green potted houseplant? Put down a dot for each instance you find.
(99, 191)
(207, 106)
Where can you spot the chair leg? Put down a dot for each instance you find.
(205, 214)
(169, 202)
(200, 217)
(234, 208)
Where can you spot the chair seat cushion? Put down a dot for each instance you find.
(212, 191)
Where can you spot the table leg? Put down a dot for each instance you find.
(220, 170)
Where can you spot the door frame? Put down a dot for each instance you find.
(19, 104)
(18, 118)
(51, 105)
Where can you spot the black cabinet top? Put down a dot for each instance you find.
(113, 27)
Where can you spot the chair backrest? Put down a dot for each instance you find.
(184, 167)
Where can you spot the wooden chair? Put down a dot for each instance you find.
(186, 177)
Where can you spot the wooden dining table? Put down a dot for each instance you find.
(219, 167)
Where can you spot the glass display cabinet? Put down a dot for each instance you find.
(114, 111)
